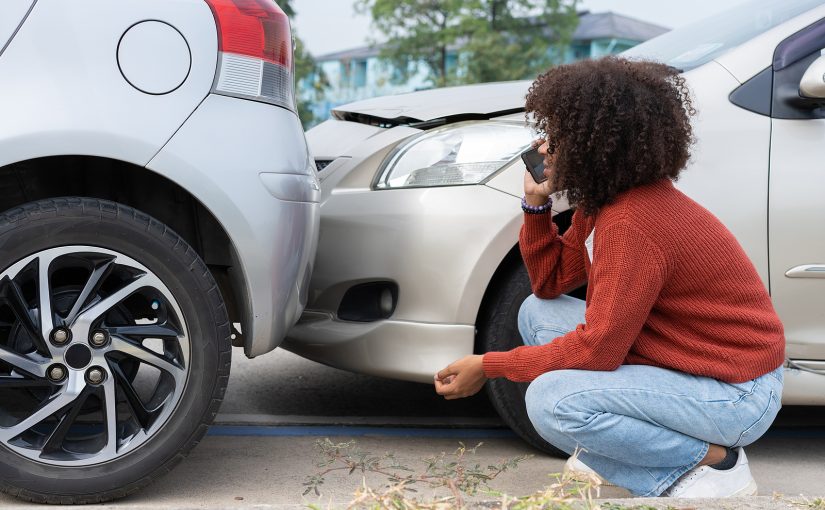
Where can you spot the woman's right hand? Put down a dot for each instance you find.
(537, 194)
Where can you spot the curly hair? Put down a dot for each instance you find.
(611, 125)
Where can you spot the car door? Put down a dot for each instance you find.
(796, 211)
(12, 14)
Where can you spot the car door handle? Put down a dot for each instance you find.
(806, 271)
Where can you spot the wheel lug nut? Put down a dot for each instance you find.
(95, 375)
(57, 373)
(60, 336)
(99, 339)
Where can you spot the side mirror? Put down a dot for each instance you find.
(812, 84)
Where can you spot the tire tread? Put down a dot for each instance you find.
(497, 332)
(105, 209)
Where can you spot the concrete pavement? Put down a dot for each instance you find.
(268, 471)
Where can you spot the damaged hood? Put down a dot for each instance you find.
(441, 105)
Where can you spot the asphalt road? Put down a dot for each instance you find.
(280, 386)
(281, 383)
(277, 406)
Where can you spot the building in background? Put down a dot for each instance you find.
(360, 73)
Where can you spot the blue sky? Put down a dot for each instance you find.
(331, 25)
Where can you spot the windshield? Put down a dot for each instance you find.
(697, 43)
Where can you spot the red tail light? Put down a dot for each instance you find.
(255, 44)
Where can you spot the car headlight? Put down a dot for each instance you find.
(464, 153)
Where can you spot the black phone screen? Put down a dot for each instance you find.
(535, 164)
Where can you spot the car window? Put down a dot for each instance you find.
(697, 43)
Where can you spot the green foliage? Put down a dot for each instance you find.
(286, 6)
(511, 44)
(418, 31)
(307, 73)
(499, 39)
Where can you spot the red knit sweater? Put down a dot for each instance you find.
(668, 286)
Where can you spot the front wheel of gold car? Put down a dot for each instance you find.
(114, 350)
(498, 331)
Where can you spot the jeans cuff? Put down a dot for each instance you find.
(678, 472)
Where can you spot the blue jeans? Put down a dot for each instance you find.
(640, 427)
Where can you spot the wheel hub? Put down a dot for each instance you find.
(78, 356)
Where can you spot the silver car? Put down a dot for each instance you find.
(418, 263)
(156, 190)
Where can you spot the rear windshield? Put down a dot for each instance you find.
(697, 43)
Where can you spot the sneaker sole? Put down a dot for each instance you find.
(748, 490)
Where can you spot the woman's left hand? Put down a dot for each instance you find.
(462, 378)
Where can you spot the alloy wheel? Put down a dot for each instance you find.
(94, 355)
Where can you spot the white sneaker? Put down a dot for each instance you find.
(706, 482)
(578, 471)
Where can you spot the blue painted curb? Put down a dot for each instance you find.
(245, 430)
(470, 433)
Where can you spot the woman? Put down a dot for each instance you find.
(673, 362)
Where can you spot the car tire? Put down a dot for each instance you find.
(498, 331)
(119, 439)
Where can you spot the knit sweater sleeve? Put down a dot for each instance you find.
(627, 275)
(554, 263)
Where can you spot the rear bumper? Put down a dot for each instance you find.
(411, 351)
(248, 164)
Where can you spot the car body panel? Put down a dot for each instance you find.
(482, 99)
(76, 101)
(329, 141)
(797, 239)
(275, 239)
(12, 15)
(472, 239)
(804, 384)
(748, 59)
(407, 350)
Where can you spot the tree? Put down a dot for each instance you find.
(418, 31)
(519, 38)
(496, 39)
(311, 83)
(286, 6)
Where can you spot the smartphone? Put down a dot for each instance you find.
(535, 164)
